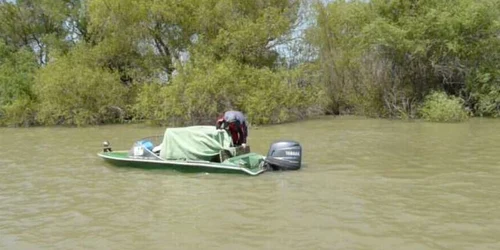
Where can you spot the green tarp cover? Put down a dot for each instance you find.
(250, 160)
(194, 143)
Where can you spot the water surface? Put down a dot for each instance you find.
(366, 184)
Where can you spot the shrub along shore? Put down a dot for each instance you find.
(81, 62)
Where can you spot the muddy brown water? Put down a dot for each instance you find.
(365, 184)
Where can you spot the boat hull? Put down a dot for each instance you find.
(121, 159)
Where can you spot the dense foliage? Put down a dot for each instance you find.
(382, 57)
(98, 98)
(205, 88)
(78, 62)
(439, 107)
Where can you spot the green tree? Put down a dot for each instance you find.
(246, 30)
(74, 91)
(232, 65)
(407, 49)
(338, 35)
(207, 87)
(40, 25)
(17, 69)
(130, 31)
(16, 74)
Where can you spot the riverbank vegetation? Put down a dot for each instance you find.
(79, 62)
(439, 107)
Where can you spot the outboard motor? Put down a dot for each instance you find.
(284, 155)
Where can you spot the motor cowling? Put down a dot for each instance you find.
(284, 155)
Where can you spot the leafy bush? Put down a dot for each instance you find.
(17, 70)
(19, 113)
(489, 102)
(72, 91)
(485, 92)
(439, 107)
(194, 95)
(276, 97)
(205, 88)
(424, 45)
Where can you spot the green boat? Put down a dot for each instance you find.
(203, 149)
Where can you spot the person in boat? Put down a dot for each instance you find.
(235, 123)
